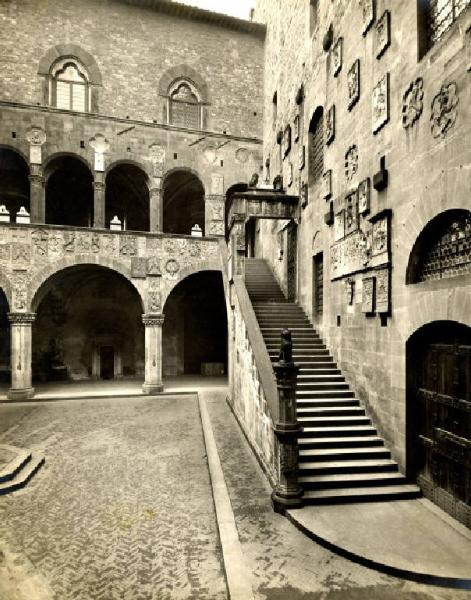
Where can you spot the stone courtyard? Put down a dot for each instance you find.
(123, 509)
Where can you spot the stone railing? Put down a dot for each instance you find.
(153, 263)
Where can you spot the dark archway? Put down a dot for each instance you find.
(195, 327)
(4, 339)
(14, 182)
(443, 248)
(69, 192)
(88, 326)
(183, 202)
(127, 197)
(237, 187)
(316, 146)
(438, 414)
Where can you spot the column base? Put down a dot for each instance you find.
(20, 394)
(282, 502)
(152, 388)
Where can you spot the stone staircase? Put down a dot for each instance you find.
(17, 467)
(341, 457)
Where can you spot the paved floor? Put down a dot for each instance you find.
(123, 509)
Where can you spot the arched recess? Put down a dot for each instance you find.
(88, 326)
(195, 326)
(316, 146)
(183, 202)
(14, 182)
(438, 414)
(443, 248)
(236, 187)
(186, 97)
(72, 51)
(69, 191)
(4, 338)
(127, 196)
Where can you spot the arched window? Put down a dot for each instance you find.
(185, 107)
(69, 86)
(443, 249)
(316, 145)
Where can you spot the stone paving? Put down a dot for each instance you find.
(122, 508)
(287, 565)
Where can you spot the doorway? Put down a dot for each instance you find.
(107, 362)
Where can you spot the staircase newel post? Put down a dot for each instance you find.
(287, 493)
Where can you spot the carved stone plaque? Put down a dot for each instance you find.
(364, 196)
(302, 157)
(127, 245)
(327, 184)
(337, 51)
(217, 184)
(330, 125)
(138, 267)
(383, 34)
(339, 225)
(287, 140)
(380, 240)
(351, 162)
(153, 266)
(368, 13)
(444, 110)
(412, 103)
(380, 100)
(368, 301)
(353, 84)
(351, 213)
(382, 291)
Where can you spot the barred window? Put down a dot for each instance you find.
(441, 16)
(443, 249)
(69, 86)
(184, 105)
(316, 145)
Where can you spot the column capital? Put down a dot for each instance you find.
(99, 185)
(153, 319)
(36, 178)
(19, 318)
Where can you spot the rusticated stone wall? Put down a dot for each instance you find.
(381, 97)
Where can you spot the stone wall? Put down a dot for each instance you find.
(414, 112)
(134, 48)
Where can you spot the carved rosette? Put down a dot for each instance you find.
(412, 103)
(444, 110)
(153, 319)
(22, 318)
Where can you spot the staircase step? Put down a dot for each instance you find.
(306, 440)
(314, 378)
(324, 454)
(326, 402)
(365, 465)
(23, 476)
(320, 432)
(365, 494)
(317, 421)
(336, 481)
(318, 386)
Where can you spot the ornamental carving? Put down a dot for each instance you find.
(138, 267)
(157, 159)
(364, 191)
(368, 8)
(337, 51)
(25, 318)
(287, 140)
(383, 34)
(40, 239)
(20, 290)
(36, 136)
(327, 184)
(153, 320)
(217, 211)
(20, 253)
(4, 253)
(351, 162)
(412, 103)
(242, 155)
(127, 245)
(382, 302)
(216, 228)
(153, 266)
(339, 225)
(69, 241)
(368, 295)
(172, 267)
(380, 101)
(217, 184)
(154, 301)
(351, 213)
(444, 110)
(330, 125)
(353, 84)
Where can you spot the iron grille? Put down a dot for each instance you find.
(448, 252)
(442, 15)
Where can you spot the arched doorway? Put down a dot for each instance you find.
(127, 197)
(14, 182)
(439, 415)
(4, 340)
(88, 326)
(69, 192)
(183, 202)
(195, 327)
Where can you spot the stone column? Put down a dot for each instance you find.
(98, 203)
(37, 197)
(153, 352)
(21, 353)
(238, 245)
(155, 205)
(287, 493)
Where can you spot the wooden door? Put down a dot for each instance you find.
(292, 249)
(441, 415)
(318, 284)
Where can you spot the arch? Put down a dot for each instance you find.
(183, 72)
(18, 151)
(129, 161)
(14, 181)
(51, 158)
(70, 51)
(43, 279)
(212, 264)
(127, 195)
(442, 249)
(183, 201)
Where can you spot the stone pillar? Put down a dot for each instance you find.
(21, 353)
(153, 352)
(98, 202)
(37, 197)
(155, 205)
(287, 493)
(238, 245)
